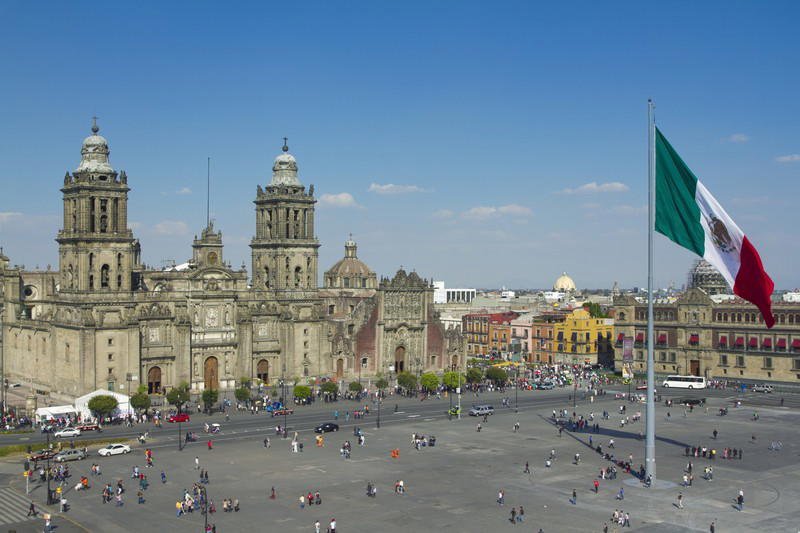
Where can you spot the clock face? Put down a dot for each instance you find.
(212, 319)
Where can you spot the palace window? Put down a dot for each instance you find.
(768, 362)
(740, 361)
(723, 360)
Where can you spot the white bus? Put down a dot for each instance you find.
(685, 382)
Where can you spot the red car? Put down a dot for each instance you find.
(88, 427)
(282, 411)
(182, 417)
(42, 455)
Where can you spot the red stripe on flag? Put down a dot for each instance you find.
(752, 282)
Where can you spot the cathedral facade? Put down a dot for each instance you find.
(103, 320)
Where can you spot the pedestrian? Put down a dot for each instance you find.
(272, 494)
(596, 486)
(317, 498)
(501, 495)
(196, 463)
(316, 526)
(574, 497)
(627, 521)
(621, 494)
(513, 517)
(332, 525)
(712, 528)
(209, 445)
(163, 477)
(302, 502)
(521, 514)
(32, 510)
(740, 499)
(715, 434)
(527, 468)
(680, 500)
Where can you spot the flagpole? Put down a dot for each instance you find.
(650, 443)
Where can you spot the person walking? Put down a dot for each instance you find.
(574, 497)
(621, 494)
(596, 486)
(196, 463)
(521, 514)
(513, 517)
(302, 502)
(740, 500)
(712, 528)
(527, 468)
(680, 500)
(501, 497)
(332, 525)
(316, 526)
(32, 510)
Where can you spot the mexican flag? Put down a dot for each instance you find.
(689, 215)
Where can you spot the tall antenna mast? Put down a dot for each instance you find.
(208, 192)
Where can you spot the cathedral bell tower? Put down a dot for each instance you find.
(285, 250)
(96, 249)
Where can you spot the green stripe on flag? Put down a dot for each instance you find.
(677, 213)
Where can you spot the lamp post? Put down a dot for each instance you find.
(458, 369)
(378, 424)
(47, 474)
(516, 389)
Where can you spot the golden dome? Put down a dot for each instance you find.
(564, 283)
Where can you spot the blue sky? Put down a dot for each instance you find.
(513, 133)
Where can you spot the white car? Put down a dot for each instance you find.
(114, 449)
(66, 433)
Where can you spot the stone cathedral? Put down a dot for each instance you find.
(103, 320)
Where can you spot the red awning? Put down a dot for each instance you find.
(662, 338)
(620, 337)
(639, 337)
(781, 343)
(767, 343)
(723, 340)
(753, 342)
(739, 341)
(694, 338)
(796, 344)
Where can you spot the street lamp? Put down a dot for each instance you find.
(47, 474)
(378, 425)
(458, 369)
(516, 389)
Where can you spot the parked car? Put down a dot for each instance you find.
(70, 455)
(114, 449)
(281, 411)
(762, 387)
(481, 410)
(692, 401)
(43, 455)
(326, 427)
(274, 406)
(546, 386)
(67, 433)
(180, 417)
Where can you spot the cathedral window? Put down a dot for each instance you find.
(91, 261)
(350, 329)
(104, 276)
(298, 273)
(331, 309)
(364, 283)
(266, 277)
(91, 281)
(346, 283)
(119, 281)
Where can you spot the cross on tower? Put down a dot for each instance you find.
(95, 129)
(285, 144)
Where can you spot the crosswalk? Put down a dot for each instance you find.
(13, 506)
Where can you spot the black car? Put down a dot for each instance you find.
(692, 401)
(326, 427)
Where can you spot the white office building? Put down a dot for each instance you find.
(443, 295)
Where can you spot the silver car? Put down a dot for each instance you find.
(69, 455)
(481, 410)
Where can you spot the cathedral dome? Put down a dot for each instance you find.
(704, 276)
(284, 169)
(350, 272)
(564, 283)
(94, 153)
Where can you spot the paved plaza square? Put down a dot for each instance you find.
(454, 485)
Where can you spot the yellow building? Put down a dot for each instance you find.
(584, 339)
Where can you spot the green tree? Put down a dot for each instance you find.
(245, 381)
(452, 380)
(474, 375)
(210, 397)
(302, 392)
(429, 381)
(407, 380)
(498, 375)
(179, 396)
(329, 387)
(242, 394)
(103, 405)
(140, 401)
(595, 310)
(354, 386)
(382, 384)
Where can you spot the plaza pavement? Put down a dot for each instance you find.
(453, 486)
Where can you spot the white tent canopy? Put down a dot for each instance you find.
(56, 411)
(124, 408)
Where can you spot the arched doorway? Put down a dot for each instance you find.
(400, 359)
(154, 380)
(339, 368)
(211, 373)
(262, 371)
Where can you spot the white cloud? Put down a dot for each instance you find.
(391, 188)
(485, 212)
(183, 191)
(342, 199)
(171, 227)
(629, 210)
(443, 213)
(7, 217)
(594, 187)
(791, 158)
(738, 138)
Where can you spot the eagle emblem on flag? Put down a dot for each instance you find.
(719, 234)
